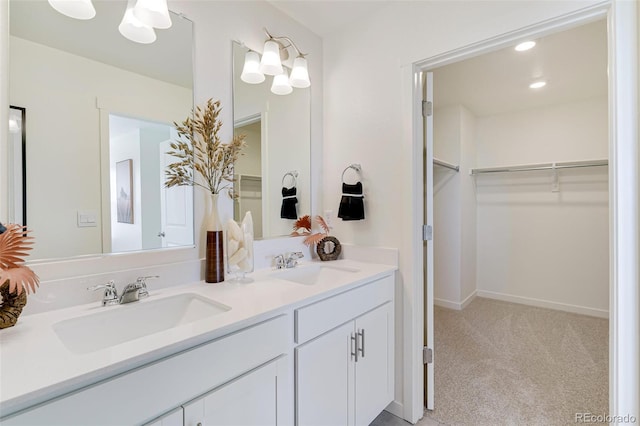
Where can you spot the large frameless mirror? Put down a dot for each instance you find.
(272, 178)
(101, 109)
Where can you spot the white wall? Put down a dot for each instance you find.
(469, 206)
(454, 207)
(447, 207)
(535, 245)
(364, 106)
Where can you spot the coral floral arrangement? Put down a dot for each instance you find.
(17, 279)
(303, 227)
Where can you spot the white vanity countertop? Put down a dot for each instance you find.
(35, 366)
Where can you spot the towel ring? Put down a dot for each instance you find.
(294, 175)
(355, 166)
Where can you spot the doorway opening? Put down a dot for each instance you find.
(486, 213)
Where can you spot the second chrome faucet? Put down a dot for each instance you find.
(288, 260)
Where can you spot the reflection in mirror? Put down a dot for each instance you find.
(71, 75)
(17, 163)
(144, 213)
(278, 142)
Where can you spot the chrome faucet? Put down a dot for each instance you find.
(288, 260)
(131, 293)
(110, 296)
(142, 283)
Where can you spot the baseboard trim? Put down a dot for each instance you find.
(458, 306)
(576, 309)
(469, 299)
(396, 408)
(447, 304)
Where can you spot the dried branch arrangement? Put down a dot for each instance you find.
(200, 149)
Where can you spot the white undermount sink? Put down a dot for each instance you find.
(313, 274)
(119, 324)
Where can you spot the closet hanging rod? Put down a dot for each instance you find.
(445, 164)
(544, 166)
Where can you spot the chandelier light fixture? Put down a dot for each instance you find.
(138, 24)
(133, 29)
(274, 52)
(77, 9)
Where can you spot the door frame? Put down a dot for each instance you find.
(624, 252)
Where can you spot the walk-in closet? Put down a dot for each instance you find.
(521, 232)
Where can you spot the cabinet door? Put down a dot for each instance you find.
(250, 399)
(174, 418)
(324, 372)
(374, 378)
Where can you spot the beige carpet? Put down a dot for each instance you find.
(500, 363)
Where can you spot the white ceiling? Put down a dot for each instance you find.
(168, 59)
(325, 17)
(573, 62)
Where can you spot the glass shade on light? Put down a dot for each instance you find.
(300, 74)
(153, 13)
(251, 70)
(281, 85)
(14, 127)
(78, 9)
(133, 29)
(270, 63)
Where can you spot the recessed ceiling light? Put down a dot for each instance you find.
(526, 45)
(538, 84)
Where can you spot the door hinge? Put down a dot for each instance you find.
(427, 232)
(427, 355)
(427, 108)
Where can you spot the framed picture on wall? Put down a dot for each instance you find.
(124, 188)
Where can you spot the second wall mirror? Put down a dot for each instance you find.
(277, 158)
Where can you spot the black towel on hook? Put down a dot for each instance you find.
(289, 201)
(351, 206)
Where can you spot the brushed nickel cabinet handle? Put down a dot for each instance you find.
(361, 345)
(354, 346)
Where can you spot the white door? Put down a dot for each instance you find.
(248, 400)
(176, 205)
(427, 87)
(373, 370)
(324, 372)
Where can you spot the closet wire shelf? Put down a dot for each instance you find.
(543, 166)
(446, 165)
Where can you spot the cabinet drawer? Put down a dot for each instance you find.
(317, 318)
(140, 395)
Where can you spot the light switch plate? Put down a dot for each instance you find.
(87, 218)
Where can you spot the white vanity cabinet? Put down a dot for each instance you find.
(248, 358)
(344, 370)
(174, 418)
(319, 354)
(249, 400)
